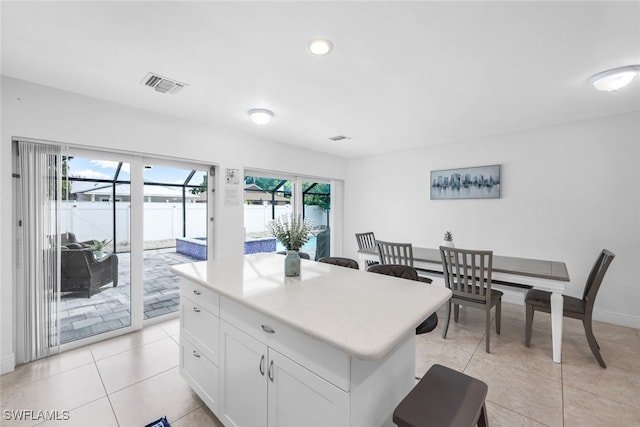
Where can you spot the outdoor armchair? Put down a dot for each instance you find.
(82, 272)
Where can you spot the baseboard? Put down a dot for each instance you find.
(617, 318)
(8, 363)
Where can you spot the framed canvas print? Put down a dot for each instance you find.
(479, 182)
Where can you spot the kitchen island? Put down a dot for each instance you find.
(333, 347)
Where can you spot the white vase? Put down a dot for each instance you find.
(448, 243)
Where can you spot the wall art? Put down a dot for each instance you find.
(479, 182)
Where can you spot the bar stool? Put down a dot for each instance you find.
(444, 398)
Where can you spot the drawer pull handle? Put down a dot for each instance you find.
(268, 329)
(196, 354)
(270, 373)
(197, 292)
(262, 365)
(196, 309)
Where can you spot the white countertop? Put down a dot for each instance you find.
(363, 314)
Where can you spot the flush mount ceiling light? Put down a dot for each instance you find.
(260, 116)
(615, 79)
(320, 46)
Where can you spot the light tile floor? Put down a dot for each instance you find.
(132, 380)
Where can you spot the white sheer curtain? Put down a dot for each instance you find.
(38, 288)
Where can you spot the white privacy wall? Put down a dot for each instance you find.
(567, 192)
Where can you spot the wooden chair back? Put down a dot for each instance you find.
(468, 273)
(594, 280)
(395, 253)
(366, 240)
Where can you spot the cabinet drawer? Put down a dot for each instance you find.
(328, 362)
(203, 296)
(200, 373)
(201, 327)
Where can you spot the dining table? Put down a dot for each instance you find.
(551, 276)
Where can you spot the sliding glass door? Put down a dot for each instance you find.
(269, 196)
(316, 207)
(96, 237)
(175, 229)
(125, 220)
(95, 256)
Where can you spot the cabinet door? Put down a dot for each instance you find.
(298, 397)
(243, 370)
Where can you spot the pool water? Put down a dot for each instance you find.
(310, 246)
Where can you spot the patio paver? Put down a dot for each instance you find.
(109, 309)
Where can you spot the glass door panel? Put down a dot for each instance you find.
(175, 231)
(265, 199)
(316, 205)
(95, 255)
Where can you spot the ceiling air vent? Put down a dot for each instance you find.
(339, 138)
(162, 84)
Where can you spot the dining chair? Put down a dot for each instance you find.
(468, 274)
(367, 241)
(397, 253)
(342, 262)
(410, 273)
(576, 308)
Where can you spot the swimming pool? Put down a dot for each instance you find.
(197, 247)
(310, 246)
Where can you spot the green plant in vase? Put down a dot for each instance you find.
(97, 246)
(292, 232)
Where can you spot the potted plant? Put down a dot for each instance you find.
(448, 239)
(97, 246)
(292, 232)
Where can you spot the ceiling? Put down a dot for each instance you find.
(401, 74)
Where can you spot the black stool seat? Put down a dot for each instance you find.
(444, 398)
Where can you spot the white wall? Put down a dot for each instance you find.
(40, 112)
(567, 192)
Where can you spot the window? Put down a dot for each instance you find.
(269, 196)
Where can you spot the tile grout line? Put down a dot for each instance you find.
(133, 347)
(115, 416)
(562, 403)
(527, 373)
(189, 413)
(143, 380)
(518, 413)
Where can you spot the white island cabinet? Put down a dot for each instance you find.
(333, 347)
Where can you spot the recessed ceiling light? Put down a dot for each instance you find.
(261, 116)
(615, 79)
(320, 46)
